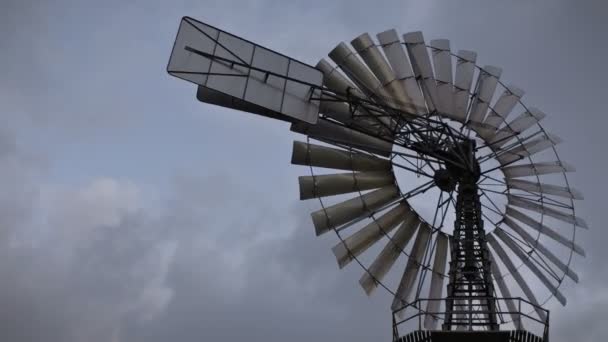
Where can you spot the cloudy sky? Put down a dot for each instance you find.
(131, 212)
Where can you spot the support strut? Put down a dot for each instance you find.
(470, 304)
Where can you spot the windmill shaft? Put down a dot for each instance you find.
(470, 301)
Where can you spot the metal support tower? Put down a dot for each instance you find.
(470, 304)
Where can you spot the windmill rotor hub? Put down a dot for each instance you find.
(447, 178)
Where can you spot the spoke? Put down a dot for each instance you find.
(420, 172)
(437, 208)
(487, 218)
(505, 149)
(446, 209)
(502, 165)
(504, 192)
(531, 255)
(417, 166)
(492, 178)
(407, 160)
(491, 209)
(495, 142)
(419, 190)
(544, 265)
(489, 199)
(417, 157)
(426, 263)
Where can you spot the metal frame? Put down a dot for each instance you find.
(475, 322)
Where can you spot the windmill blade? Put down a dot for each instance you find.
(484, 91)
(532, 267)
(542, 209)
(442, 61)
(343, 87)
(506, 293)
(325, 130)
(542, 188)
(339, 111)
(367, 121)
(393, 49)
(371, 55)
(540, 248)
(344, 212)
(506, 260)
(465, 68)
(332, 158)
(527, 149)
(335, 81)
(539, 227)
(236, 73)
(342, 183)
(360, 241)
(503, 107)
(411, 269)
(437, 281)
(348, 61)
(516, 127)
(421, 64)
(515, 171)
(391, 251)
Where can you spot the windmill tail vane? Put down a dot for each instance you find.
(411, 126)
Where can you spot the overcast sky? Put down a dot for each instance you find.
(131, 212)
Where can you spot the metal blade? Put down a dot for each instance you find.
(348, 61)
(332, 158)
(360, 241)
(484, 91)
(516, 127)
(542, 249)
(339, 111)
(539, 227)
(325, 130)
(542, 209)
(371, 55)
(442, 61)
(342, 183)
(465, 68)
(385, 260)
(356, 118)
(506, 293)
(344, 212)
(513, 246)
(548, 189)
(335, 81)
(437, 281)
(421, 64)
(516, 275)
(411, 269)
(528, 149)
(393, 49)
(503, 107)
(515, 171)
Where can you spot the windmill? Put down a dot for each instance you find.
(435, 176)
